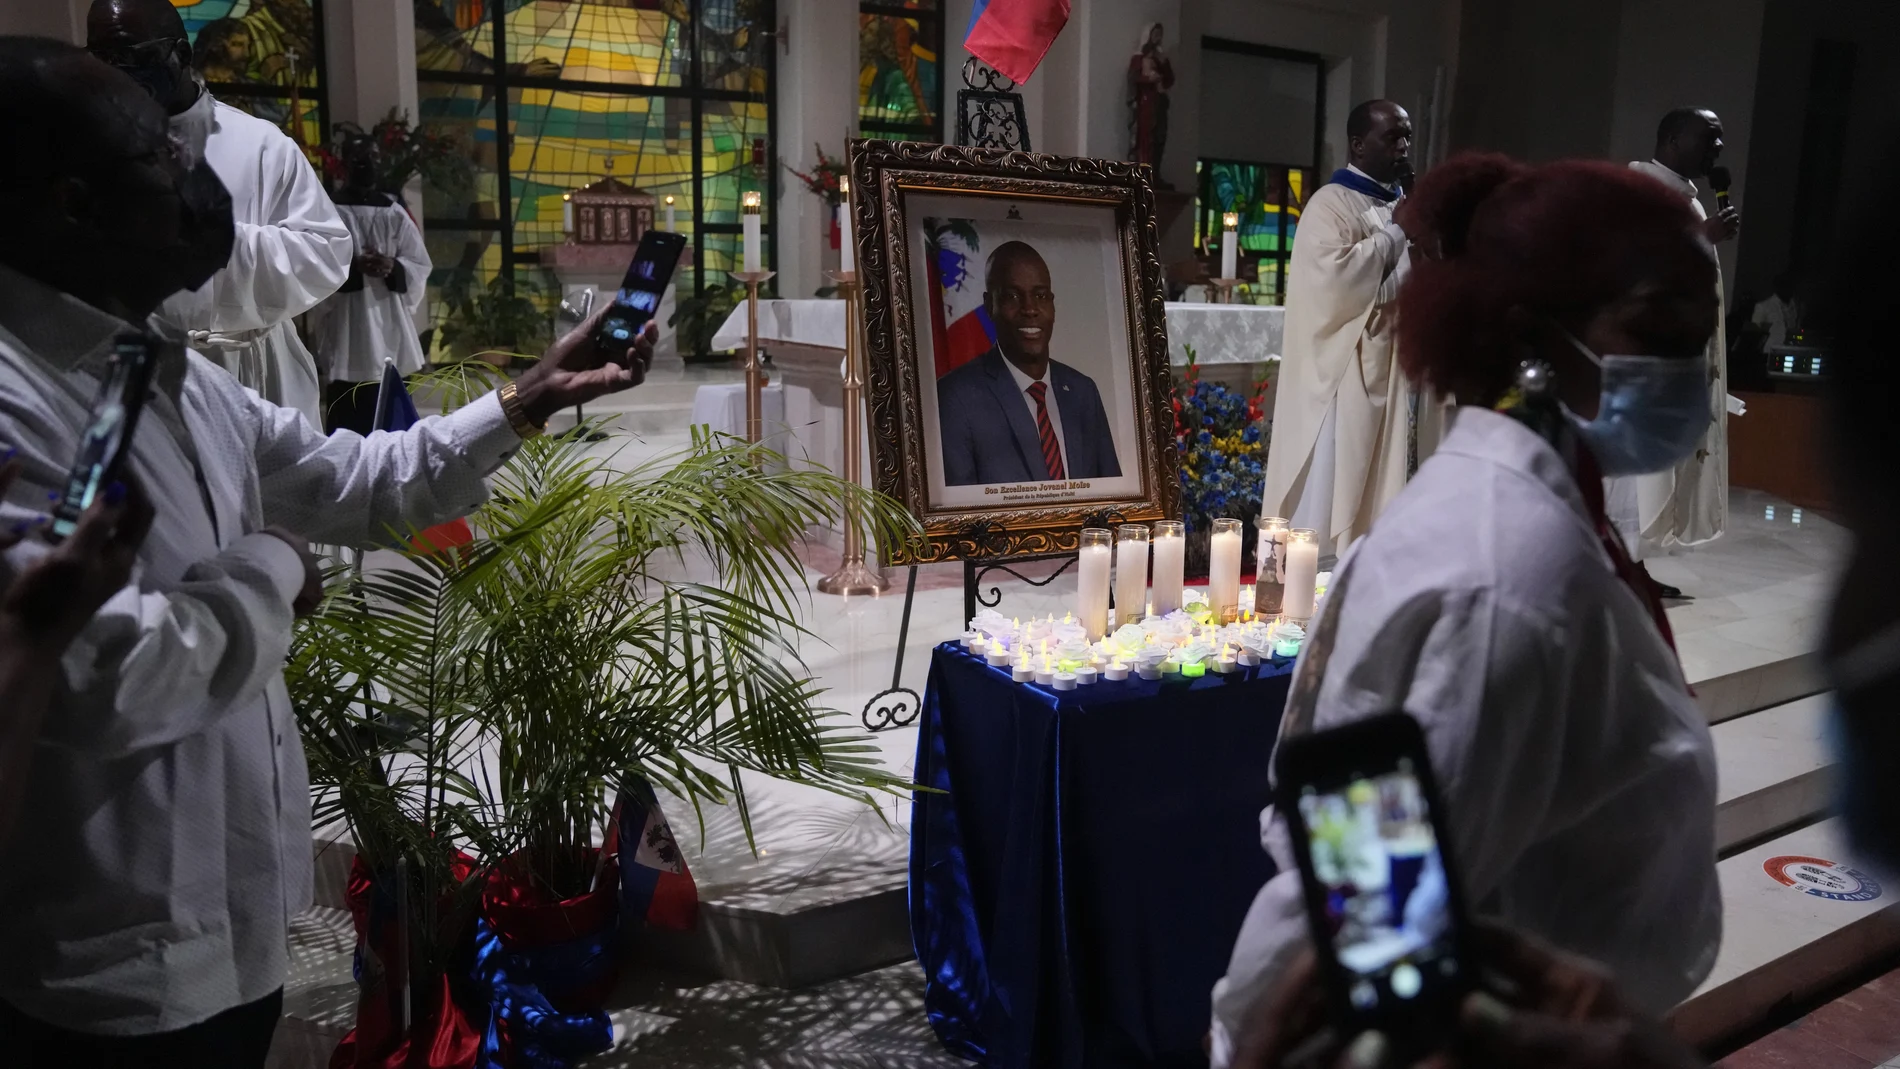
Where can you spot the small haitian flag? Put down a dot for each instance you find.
(655, 885)
(396, 412)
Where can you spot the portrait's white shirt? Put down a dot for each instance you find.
(168, 837)
(1576, 769)
(1023, 382)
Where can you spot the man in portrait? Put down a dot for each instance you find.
(1014, 414)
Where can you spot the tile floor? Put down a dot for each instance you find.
(1859, 1030)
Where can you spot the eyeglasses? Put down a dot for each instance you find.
(143, 54)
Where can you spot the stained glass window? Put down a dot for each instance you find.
(263, 56)
(674, 97)
(900, 78)
(1268, 198)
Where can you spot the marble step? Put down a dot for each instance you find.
(1775, 771)
(1775, 680)
(1781, 944)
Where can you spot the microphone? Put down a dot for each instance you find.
(1406, 177)
(1719, 180)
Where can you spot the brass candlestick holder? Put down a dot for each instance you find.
(1224, 289)
(754, 374)
(852, 576)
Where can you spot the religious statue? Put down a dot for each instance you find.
(1150, 76)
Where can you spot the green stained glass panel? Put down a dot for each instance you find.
(897, 71)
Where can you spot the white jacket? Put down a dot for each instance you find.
(1577, 771)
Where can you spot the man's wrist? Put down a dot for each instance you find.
(526, 403)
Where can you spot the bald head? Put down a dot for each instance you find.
(146, 39)
(1379, 140)
(1689, 141)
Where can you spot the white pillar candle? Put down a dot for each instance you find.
(847, 244)
(567, 213)
(1170, 556)
(1302, 573)
(1269, 588)
(672, 225)
(1230, 245)
(749, 220)
(1223, 570)
(1091, 584)
(1131, 573)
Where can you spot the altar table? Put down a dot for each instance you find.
(1076, 887)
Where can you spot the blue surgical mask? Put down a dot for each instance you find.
(1652, 413)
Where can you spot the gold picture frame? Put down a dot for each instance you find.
(951, 436)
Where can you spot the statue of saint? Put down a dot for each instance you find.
(1150, 76)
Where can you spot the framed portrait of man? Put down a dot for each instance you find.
(1016, 348)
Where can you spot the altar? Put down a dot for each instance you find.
(1230, 343)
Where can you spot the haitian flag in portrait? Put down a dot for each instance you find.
(655, 885)
(960, 327)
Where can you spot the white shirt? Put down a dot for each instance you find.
(291, 252)
(1023, 382)
(1577, 772)
(353, 333)
(169, 834)
(1780, 318)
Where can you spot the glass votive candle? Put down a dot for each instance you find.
(1223, 570)
(1131, 573)
(1168, 546)
(1302, 573)
(1091, 582)
(1269, 587)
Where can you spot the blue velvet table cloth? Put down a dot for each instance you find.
(1076, 887)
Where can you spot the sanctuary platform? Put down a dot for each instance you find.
(803, 955)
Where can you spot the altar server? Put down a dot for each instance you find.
(1342, 413)
(292, 250)
(1686, 505)
(1494, 603)
(372, 318)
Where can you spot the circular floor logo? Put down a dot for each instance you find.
(1823, 879)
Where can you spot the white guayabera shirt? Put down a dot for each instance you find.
(165, 838)
(1576, 768)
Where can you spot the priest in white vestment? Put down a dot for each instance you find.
(1687, 505)
(1345, 435)
(372, 319)
(292, 249)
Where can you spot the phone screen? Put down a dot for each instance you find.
(1387, 905)
(638, 299)
(115, 416)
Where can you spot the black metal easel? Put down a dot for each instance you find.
(898, 706)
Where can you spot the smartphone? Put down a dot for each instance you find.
(115, 415)
(639, 298)
(1382, 898)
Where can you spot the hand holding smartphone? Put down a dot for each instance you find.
(638, 299)
(108, 437)
(1383, 905)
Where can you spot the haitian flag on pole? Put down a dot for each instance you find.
(655, 885)
(396, 411)
(1013, 35)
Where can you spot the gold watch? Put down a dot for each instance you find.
(511, 407)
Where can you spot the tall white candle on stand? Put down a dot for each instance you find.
(1170, 553)
(567, 213)
(672, 225)
(1302, 572)
(1131, 574)
(749, 220)
(847, 244)
(1223, 570)
(1230, 245)
(1091, 584)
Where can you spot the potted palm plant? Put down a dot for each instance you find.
(471, 714)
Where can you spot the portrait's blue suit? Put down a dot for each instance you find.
(990, 437)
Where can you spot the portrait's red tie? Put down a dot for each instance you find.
(1051, 448)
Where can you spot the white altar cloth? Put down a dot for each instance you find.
(1219, 333)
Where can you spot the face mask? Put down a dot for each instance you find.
(1652, 413)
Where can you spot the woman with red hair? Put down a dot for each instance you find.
(1565, 307)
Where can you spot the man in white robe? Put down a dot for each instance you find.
(1688, 504)
(292, 250)
(1343, 415)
